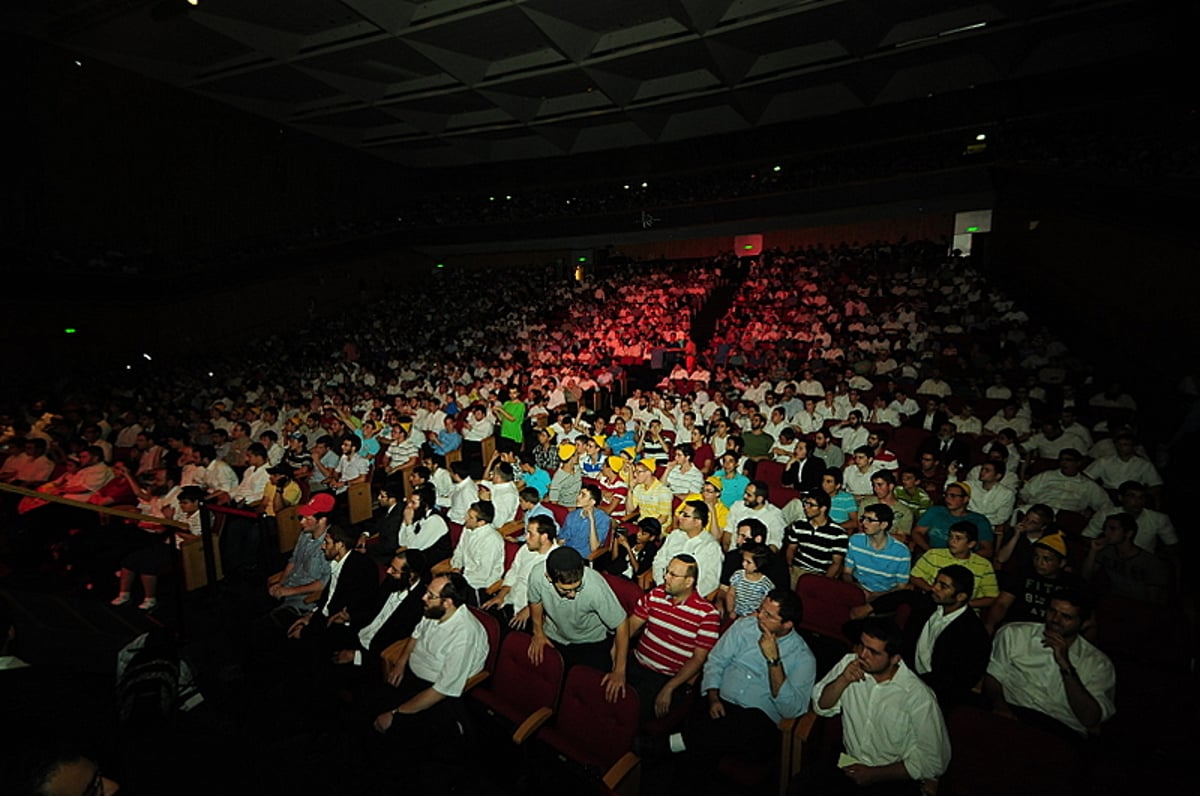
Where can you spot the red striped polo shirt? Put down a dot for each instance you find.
(674, 632)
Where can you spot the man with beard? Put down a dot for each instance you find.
(400, 606)
(892, 727)
(447, 647)
(1048, 674)
(350, 591)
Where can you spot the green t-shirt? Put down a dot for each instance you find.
(512, 429)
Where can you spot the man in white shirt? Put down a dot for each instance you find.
(851, 431)
(755, 504)
(1124, 465)
(446, 649)
(463, 493)
(1049, 671)
(892, 728)
(479, 556)
(692, 537)
(502, 493)
(1154, 528)
(510, 597)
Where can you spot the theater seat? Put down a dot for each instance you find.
(593, 735)
(519, 694)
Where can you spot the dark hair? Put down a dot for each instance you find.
(427, 495)
(885, 476)
(1077, 598)
(758, 529)
(191, 492)
(886, 631)
(544, 525)
(460, 468)
(529, 495)
(1125, 520)
(693, 568)
(344, 535)
(564, 565)
(882, 511)
(650, 525)
(758, 552)
(1130, 486)
(258, 449)
(962, 578)
(699, 509)
(835, 474)
(686, 449)
(414, 565)
(592, 490)
(791, 609)
(821, 496)
(999, 465)
(456, 589)
(967, 527)
(484, 510)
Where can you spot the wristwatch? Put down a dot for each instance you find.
(774, 661)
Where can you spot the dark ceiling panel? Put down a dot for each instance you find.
(280, 84)
(528, 78)
(307, 17)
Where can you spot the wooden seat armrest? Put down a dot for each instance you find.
(531, 725)
(620, 770)
(391, 653)
(475, 680)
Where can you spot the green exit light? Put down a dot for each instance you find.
(583, 259)
(69, 330)
(441, 265)
(972, 229)
(748, 246)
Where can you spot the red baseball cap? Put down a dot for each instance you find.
(321, 503)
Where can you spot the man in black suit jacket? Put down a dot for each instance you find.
(946, 644)
(350, 592)
(804, 471)
(930, 418)
(947, 447)
(385, 526)
(397, 611)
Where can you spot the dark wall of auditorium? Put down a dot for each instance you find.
(1113, 267)
(103, 156)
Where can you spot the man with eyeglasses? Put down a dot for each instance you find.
(573, 609)
(692, 537)
(815, 545)
(875, 560)
(678, 628)
(933, 528)
(447, 647)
